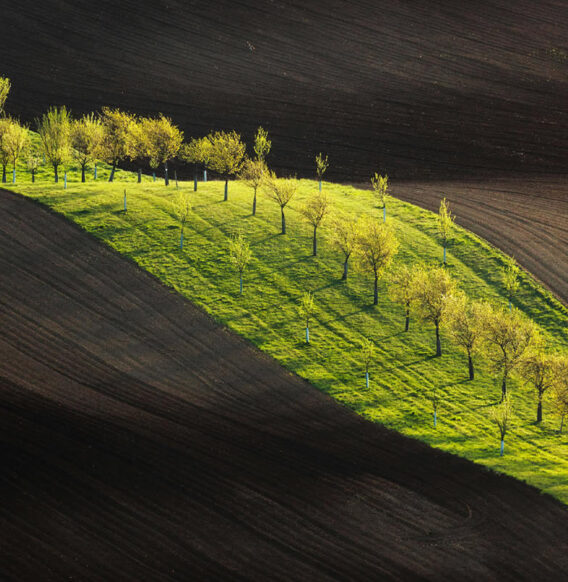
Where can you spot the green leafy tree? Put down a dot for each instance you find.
(510, 278)
(252, 174)
(344, 236)
(376, 247)
(508, 337)
(33, 162)
(241, 255)
(465, 325)
(314, 210)
(162, 141)
(227, 155)
(402, 288)
(5, 86)
(116, 140)
(306, 310)
(367, 355)
(182, 211)
(281, 190)
(433, 288)
(380, 185)
(54, 129)
(15, 141)
(198, 153)
(86, 137)
(5, 123)
(322, 164)
(560, 390)
(262, 144)
(445, 224)
(501, 415)
(540, 370)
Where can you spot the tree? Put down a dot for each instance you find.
(560, 390)
(182, 211)
(227, 155)
(501, 415)
(433, 287)
(380, 185)
(116, 140)
(54, 130)
(344, 235)
(5, 86)
(15, 140)
(241, 255)
(508, 336)
(281, 190)
(435, 399)
(541, 371)
(367, 354)
(162, 140)
(252, 174)
(465, 324)
(86, 136)
(33, 163)
(314, 211)
(322, 165)
(376, 247)
(510, 277)
(198, 153)
(445, 224)
(5, 123)
(306, 311)
(402, 289)
(262, 144)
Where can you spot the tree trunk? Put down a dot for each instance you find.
(407, 323)
(3, 174)
(181, 240)
(320, 185)
(254, 204)
(166, 177)
(561, 424)
(502, 447)
(345, 268)
(83, 173)
(195, 179)
(33, 176)
(470, 364)
(55, 173)
(139, 175)
(241, 283)
(376, 294)
(226, 190)
(96, 171)
(367, 380)
(307, 334)
(315, 242)
(438, 342)
(283, 220)
(384, 213)
(111, 177)
(504, 387)
(444, 254)
(539, 408)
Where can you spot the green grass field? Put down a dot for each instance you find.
(404, 372)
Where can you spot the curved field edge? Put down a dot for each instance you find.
(404, 372)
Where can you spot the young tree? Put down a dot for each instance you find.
(322, 164)
(314, 211)
(367, 354)
(402, 289)
(15, 140)
(510, 277)
(54, 130)
(501, 414)
(281, 190)
(33, 163)
(376, 247)
(380, 186)
(508, 336)
(115, 142)
(433, 288)
(435, 399)
(560, 390)
(465, 324)
(262, 144)
(182, 211)
(4, 91)
(240, 255)
(136, 147)
(198, 153)
(540, 370)
(445, 224)
(227, 155)
(162, 140)
(5, 123)
(252, 174)
(306, 311)
(344, 235)
(86, 136)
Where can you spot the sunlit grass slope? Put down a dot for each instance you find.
(404, 373)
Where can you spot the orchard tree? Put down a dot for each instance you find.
(540, 370)
(116, 140)
(344, 236)
(435, 399)
(281, 190)
(508, 336)
(182, 211)
(262, 145)
(4, 91)
(322, 164)
(510, 277)
(445, 224)
(86, 136)
(402, 288)
(15, 141)
(560, 390)
(241, 255)
(162, 140)
(33, 162)
(380, 185)
(252, 174)
(501, 414)
(465, 325)
(5, 123)
(376, 247)
(433, 288)
(198, 153)
(227, 155)
(54, 130)
(367, 354)
(314, 210)
(306, 311)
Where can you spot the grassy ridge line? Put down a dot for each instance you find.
(282, 268)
